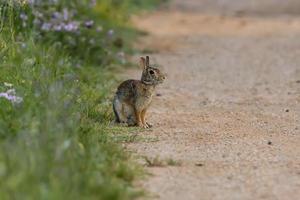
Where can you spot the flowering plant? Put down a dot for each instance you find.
(79, 27)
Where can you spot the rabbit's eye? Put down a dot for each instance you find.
(151, 72)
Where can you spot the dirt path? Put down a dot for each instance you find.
(230, 110)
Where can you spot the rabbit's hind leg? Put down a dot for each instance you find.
(118, 108)
(124, 112)
(130, 114)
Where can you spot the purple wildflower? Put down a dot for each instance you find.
(46, 26)
(56, 15)
(110, 33)
(58, 27)
(23, 16)
(38, 14)
(30, 1)
(37, 2)
(89, 24)
(37, 22)
(71, 26)
(65, 14)
(10, 95)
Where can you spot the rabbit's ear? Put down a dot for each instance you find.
(147, 61)
(143, 63)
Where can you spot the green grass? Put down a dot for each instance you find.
(59, 142)
(158, 162)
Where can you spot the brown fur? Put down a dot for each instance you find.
(134, 97)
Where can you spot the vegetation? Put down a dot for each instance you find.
(158, 162)
(56, 80)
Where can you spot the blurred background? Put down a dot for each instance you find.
(250, 7)
(233, 78)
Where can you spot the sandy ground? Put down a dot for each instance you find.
(229, 112)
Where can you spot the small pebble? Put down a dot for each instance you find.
(287, 110)
(298, 81)
(199, 164)
(269, 143)
(158, 94)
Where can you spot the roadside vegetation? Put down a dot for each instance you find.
(57, 64)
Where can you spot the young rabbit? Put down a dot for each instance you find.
(133, 97)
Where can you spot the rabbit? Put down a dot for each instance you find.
(133, 97)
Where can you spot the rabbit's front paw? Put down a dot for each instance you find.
(143, 125)
(149, 125)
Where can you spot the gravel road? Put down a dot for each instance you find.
(228, 115)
